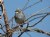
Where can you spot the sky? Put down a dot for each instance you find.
(12, 5)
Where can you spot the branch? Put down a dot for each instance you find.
(37, 30)
(39, 21)
(11, 19)
(31, 5)
(5, 17)
(24, 30)
(20, 34)
(36, 18)
(28, 34)
(26, 4)
(5, 20)
(37, 13)
(41, 31)
(3, 30)
(34, 30)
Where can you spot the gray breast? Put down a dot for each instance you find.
(21, 16)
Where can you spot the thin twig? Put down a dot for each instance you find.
(12, 24)
(38, 30)
(26, 4)
(38, 21)
(20, 34)
(41, 31)
(24, 30)
(36, 18)
(36, 13)
(28, 34)
(31, 5)
(3, 30)
(11, 19)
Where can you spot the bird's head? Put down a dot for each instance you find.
(18, 11)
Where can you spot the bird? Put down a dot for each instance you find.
(19, 17)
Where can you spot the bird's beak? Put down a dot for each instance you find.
(17, 12)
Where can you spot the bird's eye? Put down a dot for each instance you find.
(16, 12)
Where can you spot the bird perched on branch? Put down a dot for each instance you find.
(19, 17)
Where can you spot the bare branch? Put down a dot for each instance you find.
(5, 20)
(3, 30)
(37, 30)
(26, 4)
(36, 13)
(36, 18)
(28, 34)
(41, 31)
(24, 30)
(39, 21)
(20, 34)
(31, 5)
(11, 19)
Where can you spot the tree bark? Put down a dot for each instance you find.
(8, 32)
